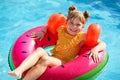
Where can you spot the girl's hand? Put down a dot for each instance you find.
(37, 35)
(94, 53)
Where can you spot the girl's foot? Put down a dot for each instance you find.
(15, 74)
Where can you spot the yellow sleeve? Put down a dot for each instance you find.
(60, 29)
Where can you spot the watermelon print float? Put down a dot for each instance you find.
(81, 68)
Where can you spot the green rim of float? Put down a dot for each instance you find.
(10, 62)
(88, 76)
(95, 72)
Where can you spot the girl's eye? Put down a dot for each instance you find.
(78, 25)
(71, 23)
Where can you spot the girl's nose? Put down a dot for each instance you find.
(74, 26)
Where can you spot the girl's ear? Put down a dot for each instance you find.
(83, 26)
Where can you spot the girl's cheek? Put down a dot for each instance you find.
(80, 29)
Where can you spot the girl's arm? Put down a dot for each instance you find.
(101, 46)
(40, 34)
(44, 29)
(94, 51)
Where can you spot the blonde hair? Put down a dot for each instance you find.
(74, 13)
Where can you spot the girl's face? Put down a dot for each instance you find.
(74, 26)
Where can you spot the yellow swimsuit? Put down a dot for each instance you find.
(68, 46)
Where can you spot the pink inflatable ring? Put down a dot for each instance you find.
(81, 68)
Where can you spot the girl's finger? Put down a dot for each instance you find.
(33, 35)
(41, 37)
(90, 54)
(96, 58)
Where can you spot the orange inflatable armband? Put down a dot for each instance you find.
(55, 21)
(92, 35)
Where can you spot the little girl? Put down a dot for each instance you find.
(70, 40)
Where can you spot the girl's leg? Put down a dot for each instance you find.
(36, 71)
(30, 61)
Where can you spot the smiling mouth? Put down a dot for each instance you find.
(73, 30)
